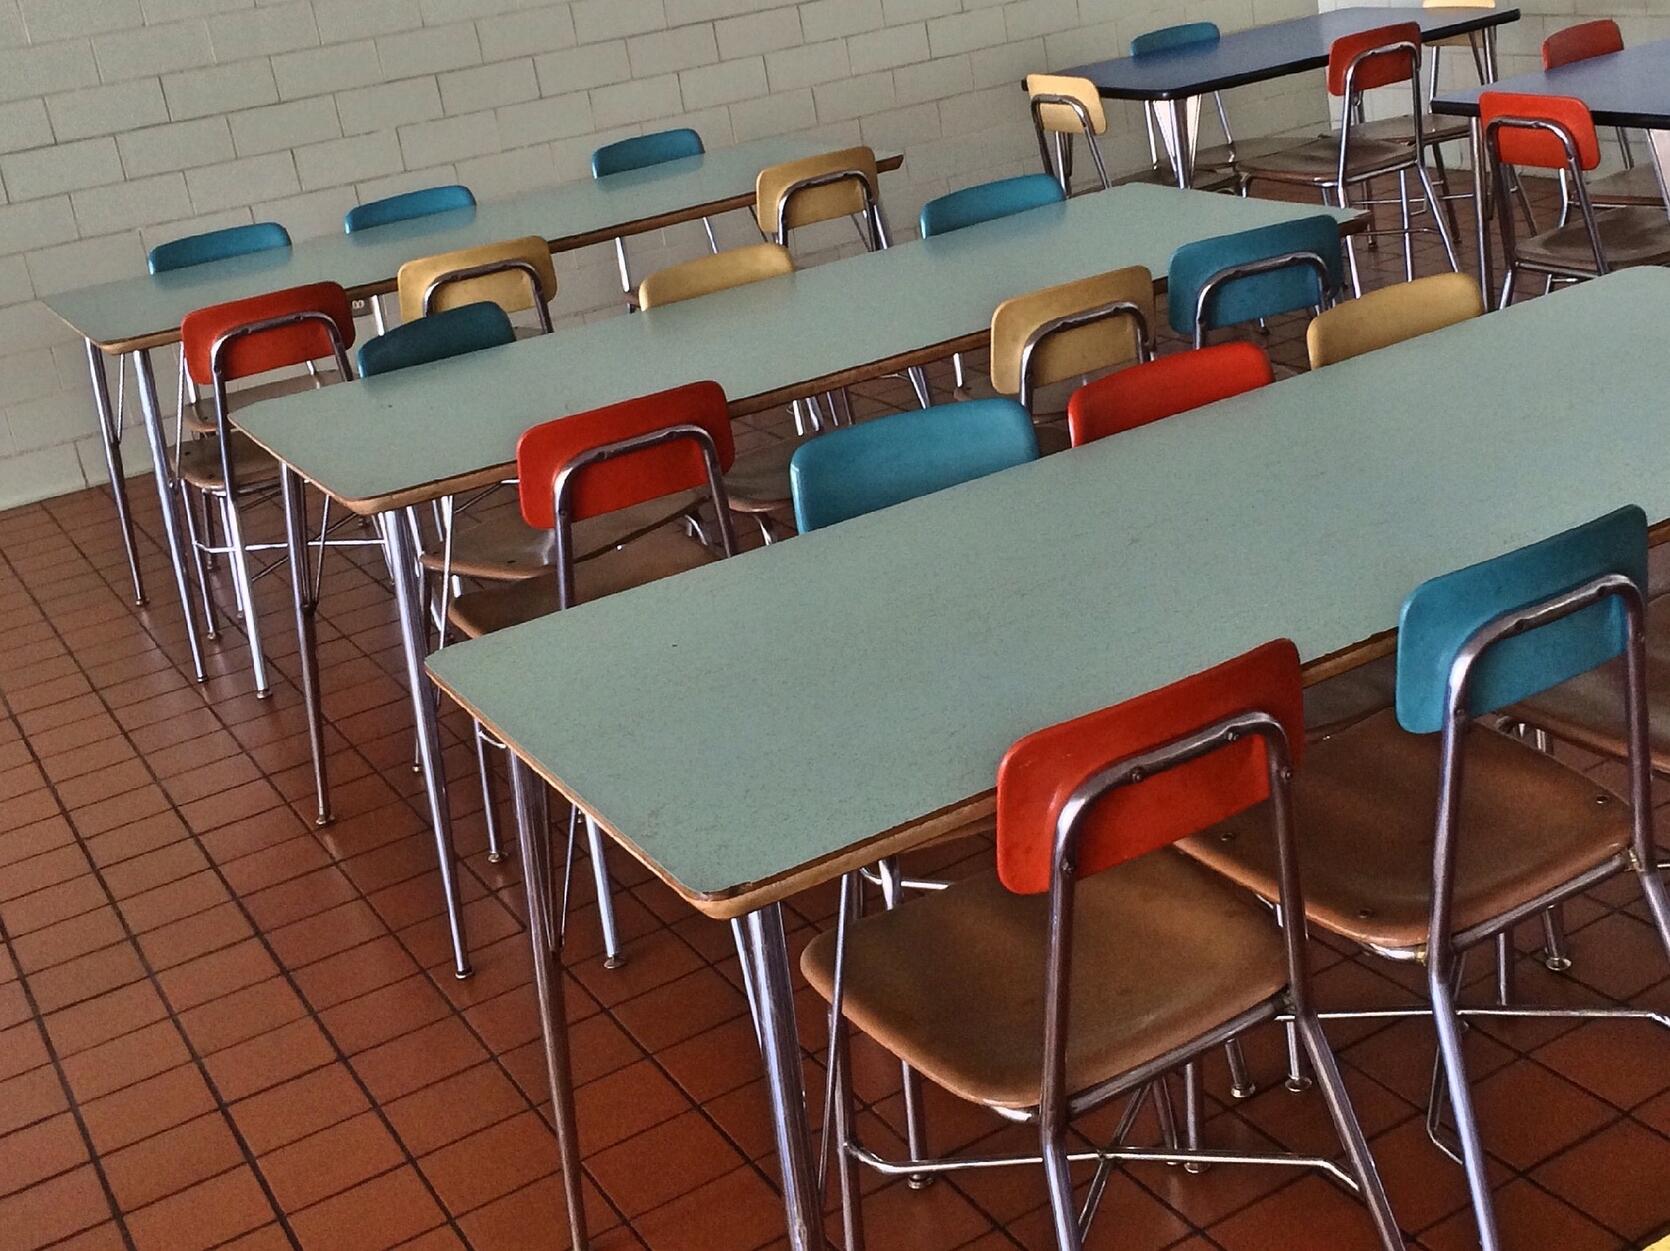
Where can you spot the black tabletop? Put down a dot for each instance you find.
(1266, 52)
(1628, 88)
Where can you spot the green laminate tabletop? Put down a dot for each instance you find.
(402, 436)
(146, 310)
(770, 720)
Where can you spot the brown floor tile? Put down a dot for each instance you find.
(331, 1161)
(54, 1209)
(269, 1059)
(207, 1214)
(147, 1107)
(42, 1150)
(298, 1108)
(1616, 1178)
(404, 1204)
(173, 1160)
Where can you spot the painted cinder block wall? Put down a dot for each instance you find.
(125, 123)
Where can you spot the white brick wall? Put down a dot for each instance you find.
(124, 123)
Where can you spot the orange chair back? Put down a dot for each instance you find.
(1162, 388)
(635, 477)
(1580, 42)
(293, 344)
(1041, 771)
(1522, 145)
(1397, 65)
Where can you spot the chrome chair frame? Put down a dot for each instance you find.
(1077, 321)
(1578, 192)
(1417, 161)
(877, 239)
(236, 548)
(1445, 951)
(1057, 1106)
(508, 265)
(1061, 167)
(1251, 269)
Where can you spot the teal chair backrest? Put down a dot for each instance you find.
(403, 208)
(855, 470)
(642, 151)
(1169, 37)
(456, 332)
(1442, 614)
(987, 202)
(217, 245)
(1287, 290)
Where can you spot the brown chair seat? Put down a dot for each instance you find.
(953, 982)
(1638, 185)
(199, 416)
(656, 555)
(759, 481)
(1350, 697)
(1364, 803)
(1628, 236)
(200, 463)
(504, 548)
(1217, 156)
(1435, 128)
(1317, 161)
(1589, 709)
(1207, 178)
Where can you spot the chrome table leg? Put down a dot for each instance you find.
(305, 603)
(785, 1082)
(1183, 161)
(1481, 211)
(146, 380)
(110, 429)
(403, 567)
(533, 825)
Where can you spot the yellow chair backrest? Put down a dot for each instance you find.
(1069, 353)
(1391, 315)
(1059, 118)
(815, 204)
(718, 272)
(510, 289)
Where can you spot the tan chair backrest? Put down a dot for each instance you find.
(1081, 350)
(815, 204)
(718, 272)
(1391, 315)
(1058, 118)
(510, 289)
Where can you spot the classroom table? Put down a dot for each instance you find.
(1177, 76)
(385, 443)
(890, 661)
(131, 316)
(1628, 88)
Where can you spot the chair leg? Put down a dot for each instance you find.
(1350, 1130)
(612, 958)
(1432, 203)
(1556, 951)
(1059, 1178)
(211, 621)
(246, 592)
(1448, 1024)
(1406, 226)
(1507, 286)
(1441, 173)
(489, 795)
(1192, 1112)
(919, 384)
(1505, 979)
(1241, 1084)
(846, 1170)
(916, 1131)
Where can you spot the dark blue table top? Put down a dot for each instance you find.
(1266, 52)
(1628, 88)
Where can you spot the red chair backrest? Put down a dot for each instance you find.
(270, 349)
(623, 481)
(1040, 772)
(1579, 43)
(1162, 388)
(1396, 66)
(1520, 145)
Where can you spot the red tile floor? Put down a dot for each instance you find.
(220, 1026)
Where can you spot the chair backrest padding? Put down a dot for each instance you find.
(456, 332)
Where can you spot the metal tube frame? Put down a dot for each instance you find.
(1578, 193)
(509, 265)
(110, 430)
(1062, 175)
(1077, 321)
(1264, 265)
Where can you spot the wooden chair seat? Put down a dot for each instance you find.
(1364, 802)
(1628, 236)
(1351, 697)
(1435, 128)
(1316, 161)
(504, 548)
(656, 555)
(953, 982)
(200, 463)
(759, 481)
(199, 417)
(1206, 178)
(1636, 186)
(1589, 709)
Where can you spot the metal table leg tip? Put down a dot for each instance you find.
(919, 1182)
(1243, 1092)
(266, 694)
(141, 601)
(1298, 1085)
(323, 819)
(1196, 1169)
(464, 973)
(614, 962)
(1557, 964)
(496, 857)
